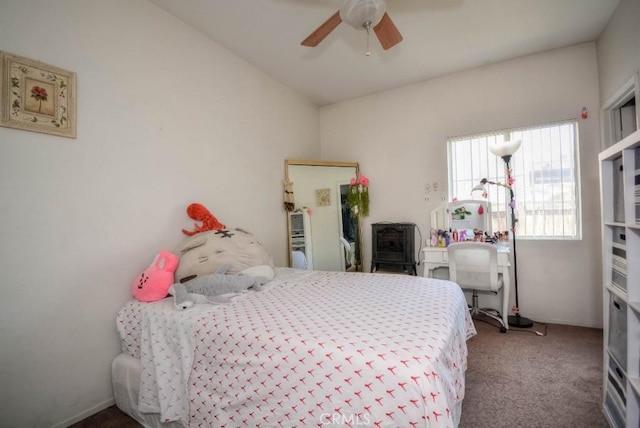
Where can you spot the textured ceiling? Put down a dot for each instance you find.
(440, 37)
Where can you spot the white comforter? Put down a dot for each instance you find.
(314, 348)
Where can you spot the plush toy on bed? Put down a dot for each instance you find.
(219, 287)
(209, 222)
(202, 254)
(153, 284)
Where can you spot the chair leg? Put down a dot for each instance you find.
(494, 311)
(503, 328)
(475, 311)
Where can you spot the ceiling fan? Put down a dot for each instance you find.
(359, 14)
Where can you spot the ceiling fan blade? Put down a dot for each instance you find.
(387, 32)
(322, 31)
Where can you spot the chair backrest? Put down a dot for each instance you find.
(474, 265)
(349, 254)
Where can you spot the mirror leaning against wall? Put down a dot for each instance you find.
(321, 233)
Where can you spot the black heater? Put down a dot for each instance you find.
(394, 247)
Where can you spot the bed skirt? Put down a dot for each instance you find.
(125, 375)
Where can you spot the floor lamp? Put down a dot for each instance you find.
(505, 151)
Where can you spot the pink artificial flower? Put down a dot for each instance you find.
(511, 180)
(352, 182)
(363, 180)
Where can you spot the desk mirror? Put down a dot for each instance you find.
(467, 214)
(322, 235)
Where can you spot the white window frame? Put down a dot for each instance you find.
(528, 180)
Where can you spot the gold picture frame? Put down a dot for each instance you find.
(323, 197)
(37, 97)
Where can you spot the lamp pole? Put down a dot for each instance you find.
(514, 320)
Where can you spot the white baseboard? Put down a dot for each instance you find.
(85, 414)
(565, 322)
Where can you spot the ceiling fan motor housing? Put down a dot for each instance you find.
(357, 12)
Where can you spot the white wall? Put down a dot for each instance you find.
(619, 48)
(165, 118)
(399, 138)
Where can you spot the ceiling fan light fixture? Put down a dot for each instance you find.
(357, 12)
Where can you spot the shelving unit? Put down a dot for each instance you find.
(300, 238)
(620, 117)
(620, 206)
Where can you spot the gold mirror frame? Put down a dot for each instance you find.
(320, 163)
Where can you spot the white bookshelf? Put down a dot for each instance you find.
(620, 117)
(620, 209)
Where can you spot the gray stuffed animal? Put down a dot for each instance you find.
(218, 287)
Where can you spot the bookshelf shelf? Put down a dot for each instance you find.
(620, 209)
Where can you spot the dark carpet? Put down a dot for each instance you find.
(520, 379)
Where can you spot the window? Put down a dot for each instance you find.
(546, 175)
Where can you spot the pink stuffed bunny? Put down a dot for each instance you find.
(153, 284)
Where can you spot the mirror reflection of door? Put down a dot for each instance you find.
(349, 236)
(320, 189)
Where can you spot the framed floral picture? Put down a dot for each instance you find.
(323, 197)
(37, 97)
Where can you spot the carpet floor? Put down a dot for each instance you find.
(517, 379)
(520, 379)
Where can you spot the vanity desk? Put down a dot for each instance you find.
(471, 217)
(437, 257)
(466, 215)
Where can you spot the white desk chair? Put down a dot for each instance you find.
(349, 253)
(474, 266)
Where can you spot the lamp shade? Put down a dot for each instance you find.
(479, 188)
(357, 12)
(506, 148)
(479, 192)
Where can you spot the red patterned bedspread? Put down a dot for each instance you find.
(313, 349)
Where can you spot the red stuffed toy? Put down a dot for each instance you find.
(209, 221)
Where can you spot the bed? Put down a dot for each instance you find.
(312, 349)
